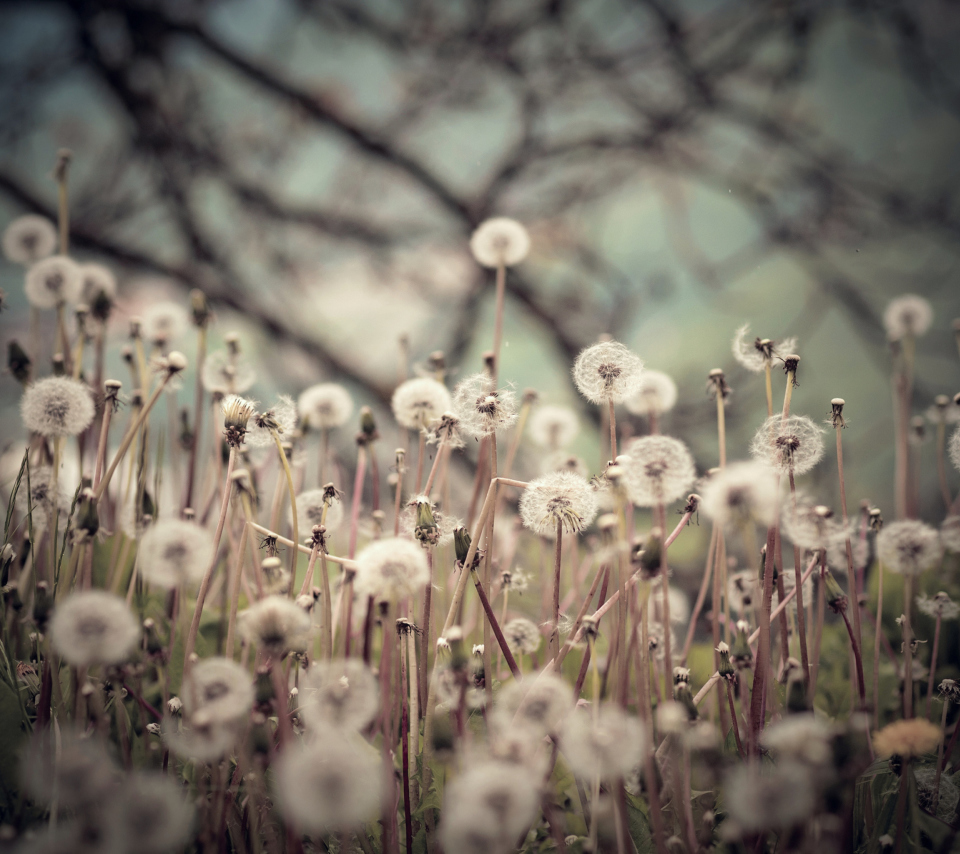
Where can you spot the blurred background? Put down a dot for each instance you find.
(317, 166)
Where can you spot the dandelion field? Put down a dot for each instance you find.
(219, 635)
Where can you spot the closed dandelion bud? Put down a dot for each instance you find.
(263, 688)
(101, 306)
(18, 362)
(42, 606)
(427, 531)
(741, 653)
(652, 553)
(444, 738)
(461, 542)
(237, 413)
(836, 598)
(88, 520)
(797, 700)
(875, 519)
(683, 695)
(368, 426)
(725, 669)
(151, 640)
(200, 308)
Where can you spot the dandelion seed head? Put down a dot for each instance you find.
(199, 741)
(608, 747)
(907, 738)
(53, 280)
(449, 683)
(657, 470)
(280, 418)
(607, 371)
(802, 738)
(506, 795)
(42, 502)
(954, 449)
(94, 627)
(29, 239)
(78, 772)
(97, 281)
(276, 625)
(325, 406)
(522, 636)
(656, 394)
(539, 704)
(310, 511)
(907, 315)
(950, 533)
(679, 604)
(946, 798)
(759, 798)
(341, 694)
(909, 547)
(743, 590)
(757, 354)
(815, 527)
(482, 409)
(740, 493)
(559, 497)
(420, 402)
(150, 815)
(217, 691)
(57, 406)
(391, 569)
(562, 461)
(165, 322)
(943, 411)
(788, 444)
(174, 552)
(553, 427)
(500, 242)
(227, 374)
(939, 605)
(333, 784)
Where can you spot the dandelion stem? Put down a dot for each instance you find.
(907, 649)
(294, 553)
(235, 591)
(405, 748)
(498, 320)
(933, 661)
(818, 630)
(495, 625)
(421, 453)
(721, 429)
(701, 595)
(876, 647)
(733, 718)
(613, 430)
(940, 763)
(760, 674)
(553, 649)
(357, 495)
(769, 386)
(902, 803)
(197, 415)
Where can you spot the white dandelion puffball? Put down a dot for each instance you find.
(522, 636)
(609, 747)
(325, 406)
(227, 373)
(62, 765)
(907, 315)
(41, 501)
(482, 409)
(562, 461)
(57, 406)
(507, 795)
(342, 694)
(500, 242)
(553, 427)
(788, 444)
(276, 625)
(164, 322)
(204, 742)
(801, 737)
(52, 281)
(28, 239)
(607, 372)
(955, 449)
(94, 627)
(419, 402)
(767, 797)
(909, 547)
(757, 354)
(391, 569)
(659, 469)
(174, 552)
(939, 605)
(950, 533)
(740, 493)
(149, 815)
(280, 418)
(814, 527)
(656, 394)
(743, 590)
(310, 511)
(334, 784)
(558, 498)
(97, 280)
(539, 704)
(217, 691)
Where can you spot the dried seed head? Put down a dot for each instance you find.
(217, 691)
(325, 406)
(939, 605)
(57, 407)
(522, 636)
(658, 470)
(909, 547)
(500, 242)
(280, 419)
(391, 569)
(227, 372)
(788, 444)
(276, 625)
(560, 497)
(341, 694)
(553, 427)
(482, 409)
(53, 281)
(29, 239)
(657, 394)
(174, 552)
(237, 413)
(740, 493)
(756, 355)
(165, 322)
(606, 372)
(94, 627)
(607, 746)
(419, 402)
(908, 315)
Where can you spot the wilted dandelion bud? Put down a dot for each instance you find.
(649, 556)
(53, 281)
(237, 413)
(950, 690)
(18, 362)
(558, 499)
(174, 552)
(217, 691)
(334, 784)
(658, 470)
(726, 669)
(325, 406)
(165, 322)
(756, 355)
(909, 547)
(741, 493)
(553, 427)
(792, 444)
(29, 239)
(57, 406)
(500, 242)
(420, 402)
(482, 409)
(280, 419)
(391, 570)
(717, 385)
(522, 636)
(94, 627)
(607, 372)
(426, 530)
(276, 625)
(656, 394)
(909, 315)
(607, 747)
